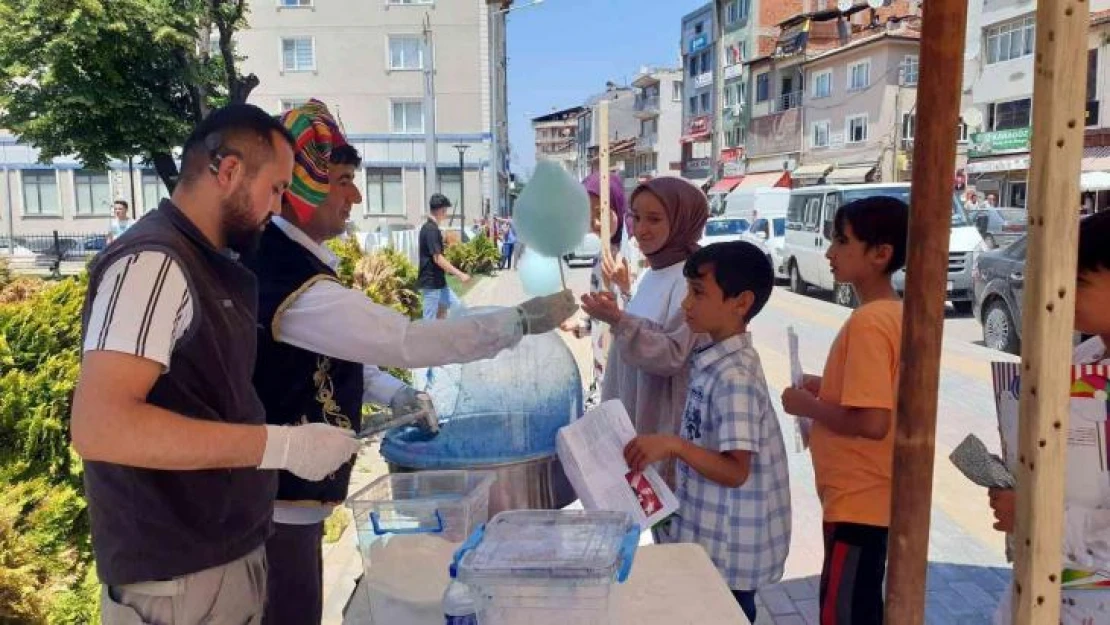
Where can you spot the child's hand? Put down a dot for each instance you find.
(1003, 503)
(602, 306)
(797, 401)
(811, 383)
(648, 449)
(616, 272)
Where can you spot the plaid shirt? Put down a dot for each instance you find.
(745, 530)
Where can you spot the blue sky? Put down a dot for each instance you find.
(562, 51)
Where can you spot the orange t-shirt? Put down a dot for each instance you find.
(853, 473)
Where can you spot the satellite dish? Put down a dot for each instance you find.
(972, 117)
(844, 5)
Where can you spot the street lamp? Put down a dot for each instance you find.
(462, 148)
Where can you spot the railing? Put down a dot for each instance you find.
(646, 104)
(47, 252)
(646, 142)
(788, 101)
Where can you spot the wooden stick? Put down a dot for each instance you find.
(603, 172)
(942, 50)
(1059, 91)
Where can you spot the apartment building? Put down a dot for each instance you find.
(699, 111)
(556, 137)
(658, 107)
(623, 125)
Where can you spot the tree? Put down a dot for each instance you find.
(112, 79)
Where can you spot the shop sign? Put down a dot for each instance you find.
(998, 164)
(999, 142)
(698, 43)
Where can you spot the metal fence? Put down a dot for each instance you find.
(55, 253)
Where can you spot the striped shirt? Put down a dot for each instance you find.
(142, 307)
(745, 530)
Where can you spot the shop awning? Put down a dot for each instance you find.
(1096, 159)
(849, 175)
(726, 184)
(695, 137)
(769, 179)
(1094, 181)
(811, 172)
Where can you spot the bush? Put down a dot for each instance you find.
(477, 256)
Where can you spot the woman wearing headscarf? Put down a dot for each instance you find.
(646, 368)
(600, 336)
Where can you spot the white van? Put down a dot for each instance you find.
(751, 204)
(809, 227)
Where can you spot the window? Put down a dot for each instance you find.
(450, 184)
(909, 122)
(822, 84)
(676, 91)
(821, 134)
(961, 132)
(406, 52)
(1092, 74)
(40, 192)
(153, 190)
(859, 75)
(699, 28)
(706, 105)
(694, 65)
(706, 62)
(407, 116)
(855, 128)
(694, 105)
(293, 103)
(1011, 40)
(763, 87)
(732, 12)
(910, 70)
(294, 3)
(93, 191)
(384, 192)
(298, 54)
(730, 95)
(1009, 115)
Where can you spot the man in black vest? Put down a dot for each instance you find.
(165, 415)
(320, 346)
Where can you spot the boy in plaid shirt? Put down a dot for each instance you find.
(733, 482)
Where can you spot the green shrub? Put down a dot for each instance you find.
(477, 256)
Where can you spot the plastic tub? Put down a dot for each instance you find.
(539, 567)
(407, 523)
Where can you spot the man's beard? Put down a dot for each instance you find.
(241, 232)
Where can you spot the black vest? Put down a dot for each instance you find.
(298, 386)
(150, 525)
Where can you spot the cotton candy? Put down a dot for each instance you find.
(539, 274)
(552, 214)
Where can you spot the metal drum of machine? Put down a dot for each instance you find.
(501, 415)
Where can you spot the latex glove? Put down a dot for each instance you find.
(409, 402)
(544, 314)
(311, 452)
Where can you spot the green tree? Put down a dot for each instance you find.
(105, 79)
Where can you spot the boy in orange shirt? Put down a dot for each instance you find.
(852, 407)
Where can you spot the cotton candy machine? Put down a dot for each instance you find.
(502, 415)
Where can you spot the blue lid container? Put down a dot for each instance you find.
(502, 410)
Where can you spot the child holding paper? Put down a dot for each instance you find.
(1086, 540)
(733, 481)
(852, 407)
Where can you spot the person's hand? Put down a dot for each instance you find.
(543, 314)
(812, 383)
(798, 401)
(408, 402)
(311, 452)
(464, 277)
(1003, 503)
(617, 272)
(602, 306)
(645, 450)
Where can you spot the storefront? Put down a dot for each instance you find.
(998, 164)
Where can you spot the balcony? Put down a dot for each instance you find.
(787, 101)
(703, 80)
(647, 107)
(647, 143)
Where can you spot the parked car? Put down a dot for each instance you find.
(999, 226)
(586, 252)
(721, 229)
(998, 280)
(769, 235)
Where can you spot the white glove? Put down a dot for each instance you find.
(311, 452)
(544, 314)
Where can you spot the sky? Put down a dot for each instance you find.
(562, 51)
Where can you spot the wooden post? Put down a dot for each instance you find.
(942, 50)
(1059, 91)
(603, 172)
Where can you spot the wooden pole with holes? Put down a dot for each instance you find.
(941, 71)
(1059, 92)
(603, 172)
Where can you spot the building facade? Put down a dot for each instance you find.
(659, 98)
(556, 137)
(623, 124)
(699, 109)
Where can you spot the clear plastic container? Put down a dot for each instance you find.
(408, 526)
(547, 567)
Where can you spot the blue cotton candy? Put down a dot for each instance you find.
(539, 274)
(552, 214)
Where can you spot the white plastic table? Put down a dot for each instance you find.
(669, 585)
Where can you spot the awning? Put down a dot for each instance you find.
(1096, 159)
(695, 137)
(1094, 181)
(726, 184)
(769, 179)
(816, 170)
(849, 175)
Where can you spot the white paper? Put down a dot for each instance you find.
(802, 425)
(592, 453)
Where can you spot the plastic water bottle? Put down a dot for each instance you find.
(458, 605)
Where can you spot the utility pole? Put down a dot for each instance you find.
(431, 184)
(462, 148)
(899, 125)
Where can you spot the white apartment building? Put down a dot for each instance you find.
(659, 100)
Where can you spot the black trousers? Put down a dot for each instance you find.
(295, 575)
